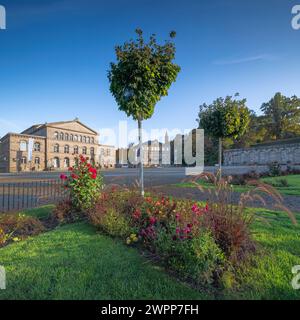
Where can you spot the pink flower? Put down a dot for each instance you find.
(152, 220)
(63, 177)
(177, 216)
(177, 230)
(195, 208)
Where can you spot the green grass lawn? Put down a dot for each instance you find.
(75, 262)
(293, 187)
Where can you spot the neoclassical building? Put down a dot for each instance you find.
(48, 146)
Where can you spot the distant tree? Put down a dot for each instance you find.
(141, 77)
(282, 115)
(225, 118)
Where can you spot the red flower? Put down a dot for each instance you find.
(74, 176)
(137, 214)
(63, 177)
(152, 220)
(94, 176)
(71, 169)
(92, 170)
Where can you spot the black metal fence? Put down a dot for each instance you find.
(27, 195)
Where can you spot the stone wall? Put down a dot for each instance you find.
(281, 152)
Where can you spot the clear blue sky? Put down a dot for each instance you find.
(54, 56)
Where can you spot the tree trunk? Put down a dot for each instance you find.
(141, 158)
(220, 157)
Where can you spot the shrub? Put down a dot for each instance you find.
(197, 258)
(110, 212)
(274, 169)
(84, 184)
(65, 213)
(114, 224)
(14, 227)
(281, 183)
(228, 222)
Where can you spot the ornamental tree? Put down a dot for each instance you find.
(142, 75)
(225, 118)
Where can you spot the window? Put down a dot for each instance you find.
(80, 138)
(84, 150)
(88, 140)
(56, 163)
(56, 148)
(37, 160)
(92, 151)
(67, 149)
(108, 152)
(84, 139)
(37, 147)
(76, 137)
(102, 152)
(61, 136)
(76, 150)
(23, 146)
(93, 140)
(71, 137)
(66, 162)
(56, 135)
(67, 137)
(23, 160)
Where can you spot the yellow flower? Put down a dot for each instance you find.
(16, 239)
(128, 241)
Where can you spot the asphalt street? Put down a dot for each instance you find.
(122, 176)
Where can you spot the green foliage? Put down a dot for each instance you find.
(274, 169)
(84, 184)
(282, 116)
(17, 226)
(198, 259)
(224, 118)
(142, 75)
(114, 224)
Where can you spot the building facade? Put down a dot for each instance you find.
(49, 146)
(155, 153)
(283, 152)
(106, 157)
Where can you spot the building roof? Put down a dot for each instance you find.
(39, 126)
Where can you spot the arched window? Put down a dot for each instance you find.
(61, 136)
(84, 150)
(67, 137)
(88, 140)
(23, 146)
(92, 151)
(67, 149)
(71, 137)
(76, 137)
(84, 139)
(56, 148)
(80, 138)
(56, 135)
(66, 162)
(93, 140)
(37, 147)
(23, 160)
(56, 163)
(37, 160)
(76, 150)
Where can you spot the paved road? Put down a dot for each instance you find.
(124, 176)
